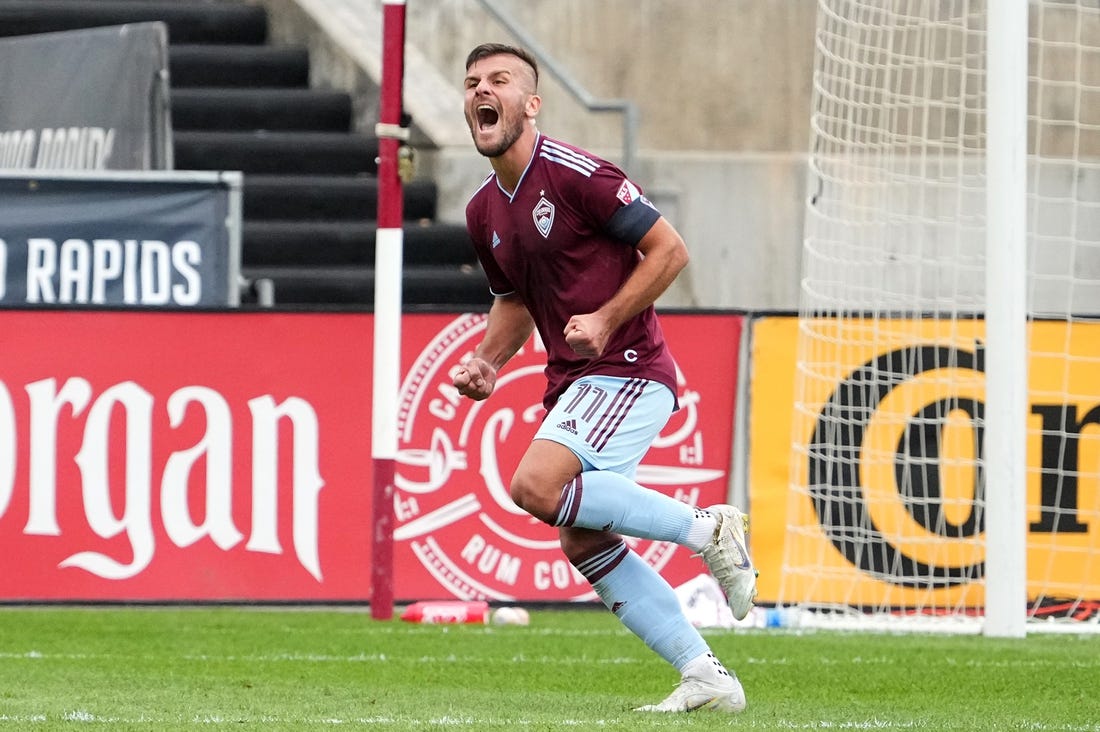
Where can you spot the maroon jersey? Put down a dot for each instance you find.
(565, 242)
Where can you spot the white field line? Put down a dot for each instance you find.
(873, 724)
(326, 658)
(630, 722)
(402, 723)
(1033, 664)
(320, 658)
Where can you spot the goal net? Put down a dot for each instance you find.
(888, 502)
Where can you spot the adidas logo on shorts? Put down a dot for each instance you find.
(569, 425)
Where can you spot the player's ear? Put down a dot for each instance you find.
(534, 103)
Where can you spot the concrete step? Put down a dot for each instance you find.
(330, 197)
(227, 109)
(225, 65)
(303, 153)
(324, 243)
(188, 22)
(421, 286)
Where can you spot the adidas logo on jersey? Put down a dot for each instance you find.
(569, 425)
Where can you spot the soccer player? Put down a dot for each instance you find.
(571, 247)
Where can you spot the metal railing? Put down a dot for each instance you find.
(625, 107)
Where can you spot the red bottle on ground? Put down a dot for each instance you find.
(447, 611)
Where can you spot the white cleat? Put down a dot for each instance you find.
(728, 560)
(723, 695)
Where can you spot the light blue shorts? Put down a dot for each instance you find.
(609, 422)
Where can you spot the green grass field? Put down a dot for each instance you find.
(326, 669)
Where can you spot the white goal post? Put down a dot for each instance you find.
(945, 468)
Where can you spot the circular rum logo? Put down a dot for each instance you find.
(456, 460)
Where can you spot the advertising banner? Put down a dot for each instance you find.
(191, 456)
(157, 239)
(912, 457)
(93, 99)
(459, 534)
(195, 456)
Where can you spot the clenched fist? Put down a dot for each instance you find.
(587, 334)
(475, 379)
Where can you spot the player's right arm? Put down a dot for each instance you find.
(508, 328)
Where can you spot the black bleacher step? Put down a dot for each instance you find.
(203, 22)
(199, 65)
(277, 152)
(260, 109)
(328, 197)
(317, 243)
(421, 286)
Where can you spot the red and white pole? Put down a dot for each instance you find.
(389, 244)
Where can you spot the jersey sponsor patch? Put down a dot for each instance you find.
(543, 214)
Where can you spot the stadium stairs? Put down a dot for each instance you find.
(310, 187)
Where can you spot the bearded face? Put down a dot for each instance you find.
(494, 130)
(499, 90)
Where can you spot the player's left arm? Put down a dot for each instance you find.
(508, 327)
(664, 255)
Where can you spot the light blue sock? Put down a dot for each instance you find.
(644, 602)
(606, 501)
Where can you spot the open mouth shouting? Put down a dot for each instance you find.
(493, 133)
(486, 117)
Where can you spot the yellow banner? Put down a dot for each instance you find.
(865, 439)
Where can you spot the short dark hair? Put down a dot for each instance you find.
(486, 50)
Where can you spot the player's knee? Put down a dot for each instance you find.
(534, 497)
